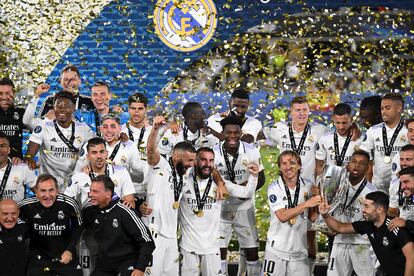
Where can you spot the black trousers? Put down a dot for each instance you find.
(122, 269)
(40, 266)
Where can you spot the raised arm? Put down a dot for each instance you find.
(153, 155)
(286, 214)
(336, 226)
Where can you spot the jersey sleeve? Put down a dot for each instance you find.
(127, 185)
(82, 160)
(272, 133)
(362, 227)
(73, 188)
(254, 129)
(241, 191)
(393, 191)
(166, 144)
(256, 158)
(368, 144)
(29, 177)
(38, 133)
(141, 236)
(275, 199)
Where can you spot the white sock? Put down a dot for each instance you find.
(224, 267)
(311, 265)
(253, 268)
(242, 264)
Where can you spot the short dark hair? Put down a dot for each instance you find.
(240, 94)
(138, 98)
(45, 177)
(68, 68)
(394, 97)
(8, 82)
(64, 94)
(380, 199)
(362, 153)
(107, 181)
(291, 153)
(407, 171)
(189, 108)
(409, 121)
(102, 83)
(299, 100)
(204, 149)
(94, 142)
(231, 120)
(184, 146)
(371, 103)
(4, 136)
(342, 109)
(407, 147)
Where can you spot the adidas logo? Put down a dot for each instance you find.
(377, 140)
(86, 185)
(284, 137)
(96, 221)
(37, 216)
(220, 165)
(188, 192)
(1, 242)
(284, 198)
(330, 148)
(53, 139)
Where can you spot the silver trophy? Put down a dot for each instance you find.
(333, 185)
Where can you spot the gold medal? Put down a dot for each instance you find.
(199, 213)
(292, 221)
(176, 205)
(387, 159)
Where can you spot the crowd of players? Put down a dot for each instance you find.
(118, 195)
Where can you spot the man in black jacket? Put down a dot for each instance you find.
(13, 236)
(55, 229)
(125, 243)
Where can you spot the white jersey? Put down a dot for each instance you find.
(406, 207)
(126, 156)
(352, 213)
(55, 157)
(20, 176)
(290, 240)
(160, 197)
(325, 149)
(247, 153)
(198, 140)
(136, 134)
(279, 134)
(251, 125)
(199, 234)
(375, 146)
(395, 165)
(80, 184)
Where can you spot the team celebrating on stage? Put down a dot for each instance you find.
(118, 193)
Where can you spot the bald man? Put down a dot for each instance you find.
(13, 235)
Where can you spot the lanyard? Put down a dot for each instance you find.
(302, 139)
(201, 200)
(92, 174)
(230, 167)
(388, 147)
(296, 196)
(114, 152)
(97, 123)
(141, 135)
(340, 157)
(67, 142)
(185, 133)
(360, 188)
(5, 178)
(177, 185)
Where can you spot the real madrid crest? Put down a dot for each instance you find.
(311, 139)
(245, 163)
(19, 238)
(78, 139)
(16, 181)
(115, 223)
(385, 241)
(185, 25)
(16, 116)
(61, 215)
(403, 139)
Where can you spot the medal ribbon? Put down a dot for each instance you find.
(302, 139)
(230, 167)
(5, 178)
(185, 133)
(114, 152)
(388, 147)
(92, 174)
(140, 138)
(97, 123)
(67, 142)
(357, 193)
(201, 200)
(340, 157)
(296, 196)
(177, 185)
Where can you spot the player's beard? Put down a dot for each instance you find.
(180, 168)
(202, 174)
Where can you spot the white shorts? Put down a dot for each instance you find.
(165, 257)
(206, 264)
(274, 266)
(244, 224)
(347, 257)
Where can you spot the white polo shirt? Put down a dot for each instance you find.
(20, 176)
